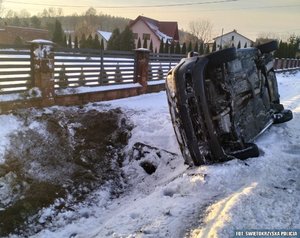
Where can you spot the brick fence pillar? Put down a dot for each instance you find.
(283, 63)
(142, 67)
(276, 63)
(42, 63)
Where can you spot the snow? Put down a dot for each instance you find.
(105, 34)
(42, 41)
(156, 82)
(9, 124)
(86, 89)
(181, 201)
(161, 35)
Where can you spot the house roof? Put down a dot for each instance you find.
(234, 31)
(162, 29)
(105, 34)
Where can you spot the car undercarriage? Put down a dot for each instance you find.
(221, 102)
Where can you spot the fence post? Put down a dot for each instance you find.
(283, 63)
(276, 63)
(141, 67)
(42, 64)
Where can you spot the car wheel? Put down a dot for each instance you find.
(250, 150)
(222, 56)
(283, 116)
(268, 47)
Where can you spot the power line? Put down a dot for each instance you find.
(128, 6)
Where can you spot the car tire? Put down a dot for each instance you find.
(222, 56)
(250, 150)
(268, 47)
(283, 116)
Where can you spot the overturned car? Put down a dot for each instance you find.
(221, 102)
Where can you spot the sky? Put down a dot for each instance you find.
(250, 18)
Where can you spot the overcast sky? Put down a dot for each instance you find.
(249, 17)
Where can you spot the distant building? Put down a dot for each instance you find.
(105, 35)
(15, 35)
(232, 39)
(150, 29)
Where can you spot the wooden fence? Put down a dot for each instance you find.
(93, 68)
(160, 64)
(15, 70)
(76, 68)
(286, 64)
(68, 76)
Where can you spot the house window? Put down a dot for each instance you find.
(146, 36)
(232, 38)
(135, 35)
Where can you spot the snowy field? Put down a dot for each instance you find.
(177, 201)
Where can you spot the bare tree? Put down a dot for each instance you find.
(85, 28)
(202, 29)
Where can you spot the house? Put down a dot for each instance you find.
(105, 36)
(148, 29)
(232, 39)
(16, 35)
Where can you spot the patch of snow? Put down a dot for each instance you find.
(206, 201)
(86, 89)
(160, 34)
(105, 34)
(42, 41)
(10, 97)
(8, 124)
(156, 82)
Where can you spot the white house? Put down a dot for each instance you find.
(232, 39)
(148, 29)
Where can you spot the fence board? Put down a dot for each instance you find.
(87, 67)
(160, 64)
(15, 70)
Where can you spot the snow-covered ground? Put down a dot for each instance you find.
(177, 201)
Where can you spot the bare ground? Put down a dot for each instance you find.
(59, 157)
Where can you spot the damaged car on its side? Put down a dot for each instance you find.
(221, 102)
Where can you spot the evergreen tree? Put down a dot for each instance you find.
(239, 45)
(83, 41)
(96, 44)
(201, 49)
(58, 35)
(214, 46)
(70, 42)
(196, 47)
(89, 42)
(76, 42)
(190, 48)
(102, 44)
(172, 47)
(115, 40)
(167, 47)
(139, 44)
(65, 43)
(183, 49)
(177, 48)
(207, 50)
(35, 22)
(145, 44)
(151, 46)
(126, 40)
(161, 46)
